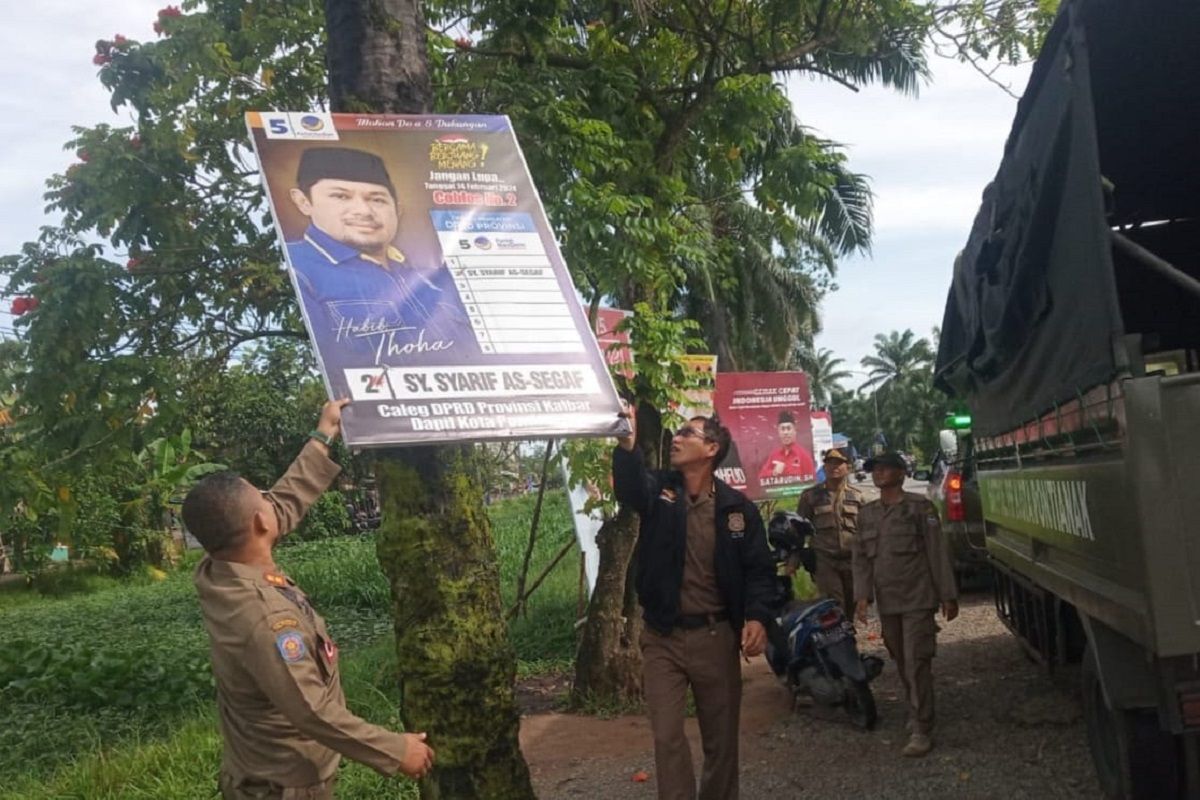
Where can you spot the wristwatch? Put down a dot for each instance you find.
(323, 438)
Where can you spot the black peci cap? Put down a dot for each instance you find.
(889, 459)
(341, 163)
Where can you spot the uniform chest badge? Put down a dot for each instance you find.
(737, 522)
(291, 646)
(668, 495)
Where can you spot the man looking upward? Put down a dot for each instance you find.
(704, 580)
(283, 717)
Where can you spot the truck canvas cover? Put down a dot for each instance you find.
(1035, 309)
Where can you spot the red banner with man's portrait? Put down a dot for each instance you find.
(768, 415)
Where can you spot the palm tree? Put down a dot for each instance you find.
(897, 356)
(755, 293)
(823, 371)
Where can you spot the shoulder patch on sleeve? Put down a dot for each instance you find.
(290, 644)
(286, 622)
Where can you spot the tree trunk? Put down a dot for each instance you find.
(435, 545)
(377, 57)
(456, 665)
(608, 663)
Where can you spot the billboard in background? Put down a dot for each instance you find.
(615, 344)
(429, 279)
(822, 434)
(768, 416)
(698, 402)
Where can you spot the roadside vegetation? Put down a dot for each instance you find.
(106, 691)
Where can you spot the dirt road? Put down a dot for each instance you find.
(1005, 730)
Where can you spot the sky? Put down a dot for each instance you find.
(928, 158)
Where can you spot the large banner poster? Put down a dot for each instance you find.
(429, 279)
(619, 354)
(698, 402)
(768, 415)
(618, 351)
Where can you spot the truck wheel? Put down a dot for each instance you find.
(1134, 758)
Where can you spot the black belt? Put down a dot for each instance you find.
(690, 622)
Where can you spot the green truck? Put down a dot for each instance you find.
(1072, 333)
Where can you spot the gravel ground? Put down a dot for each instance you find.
(1005, 730)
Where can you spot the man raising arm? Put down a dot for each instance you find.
(283, 716)
(704, 580)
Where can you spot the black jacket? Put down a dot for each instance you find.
(744, 568)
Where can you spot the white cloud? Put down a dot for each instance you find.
(51, 84)
(928, 158)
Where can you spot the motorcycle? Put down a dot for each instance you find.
(812, 646)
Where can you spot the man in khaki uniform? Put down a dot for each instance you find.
(832, 507)
(283, 716)
(705, 581)
(900, 562)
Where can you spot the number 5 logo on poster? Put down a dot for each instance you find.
(278, 126)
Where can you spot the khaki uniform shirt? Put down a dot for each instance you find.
(900, 559)
(698, 593)
(834, 516)
(283, 716)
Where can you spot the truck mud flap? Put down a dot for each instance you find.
(1031, 613)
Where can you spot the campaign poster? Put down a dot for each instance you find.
(768, 415)
(822, 434)
(619, 355)
(430, 280)
(698, 401)
(614, 341)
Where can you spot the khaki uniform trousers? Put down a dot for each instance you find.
(251, 789)
(707, 660)
(911, 640)
(834, 577)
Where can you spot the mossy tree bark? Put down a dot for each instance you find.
(608, 662)
(456, 665)
(435, 545)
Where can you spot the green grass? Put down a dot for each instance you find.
(181, 763)
(544, 637)
(60, 743)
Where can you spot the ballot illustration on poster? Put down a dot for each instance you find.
(430, 280)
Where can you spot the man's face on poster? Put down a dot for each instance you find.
(362, 215)
(787, 433)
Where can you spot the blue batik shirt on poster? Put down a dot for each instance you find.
(365, 313)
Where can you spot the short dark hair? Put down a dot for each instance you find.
(215, 510)
(786, 416)
(714, 431)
